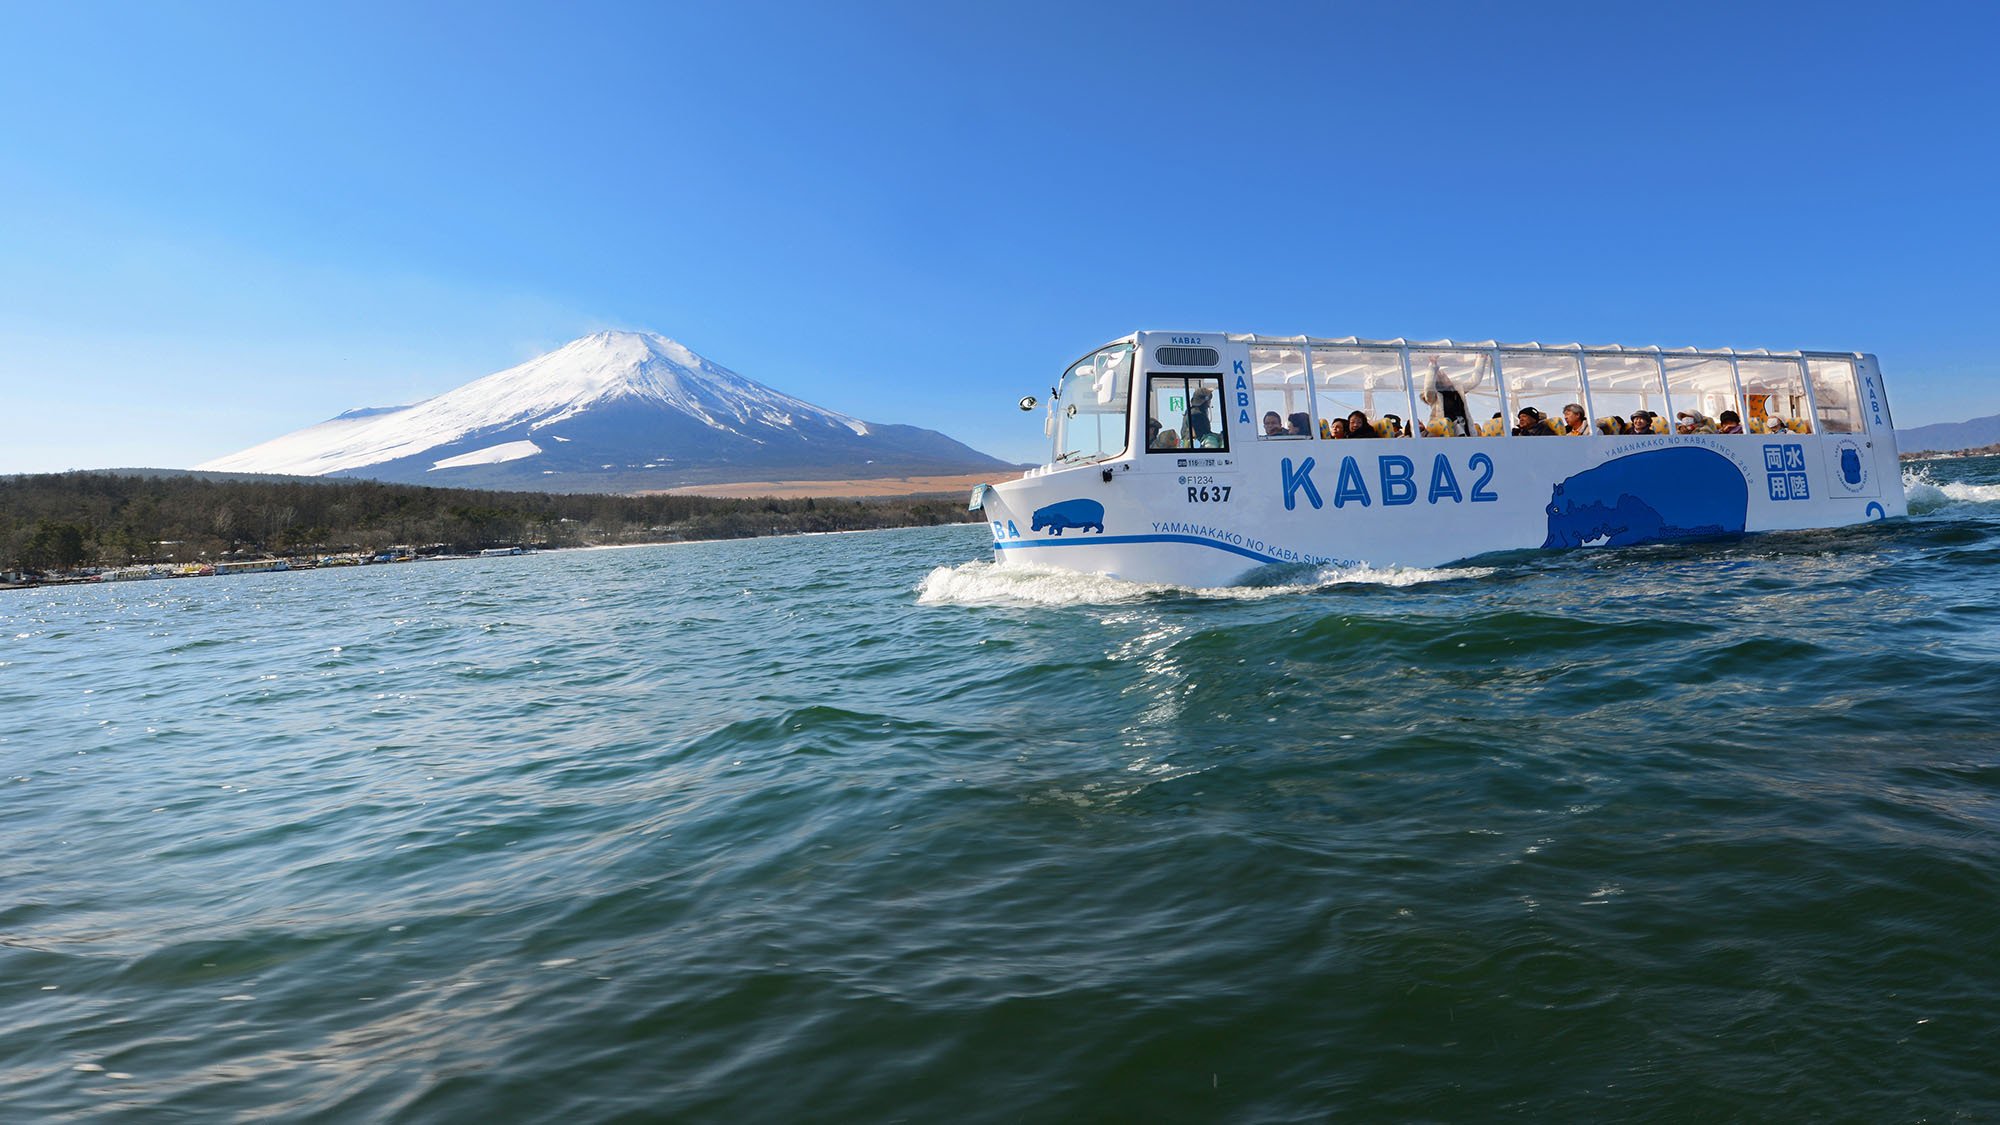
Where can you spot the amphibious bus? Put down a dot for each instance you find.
(1195, 458)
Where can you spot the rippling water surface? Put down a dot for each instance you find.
(861, 828)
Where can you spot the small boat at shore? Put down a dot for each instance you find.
(1197, 458)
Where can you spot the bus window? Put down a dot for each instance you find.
(1090, 406)
(1774, 396)
(1625, 391)
(1281, 406)
(1547, 381)
(1366, 379)
(1458, 390)
(1702, 388)
(1185, 412)
(1833, 395)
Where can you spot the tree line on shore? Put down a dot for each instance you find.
(63, 521)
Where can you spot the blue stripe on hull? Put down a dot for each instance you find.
(1096, 539)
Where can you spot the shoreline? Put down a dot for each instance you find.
(290, 567)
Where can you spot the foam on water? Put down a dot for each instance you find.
(617, 835)
(986, 583)
(1928, 497)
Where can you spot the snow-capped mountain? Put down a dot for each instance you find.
(616, 411)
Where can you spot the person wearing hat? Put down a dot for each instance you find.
(1642, 421)
(1530, 423)
(1694, 422)
(1197, 415)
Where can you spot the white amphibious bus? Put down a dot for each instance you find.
(1195, 458)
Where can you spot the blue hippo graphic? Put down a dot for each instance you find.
(1086, 514)
(1850, 466)
(1659, 494)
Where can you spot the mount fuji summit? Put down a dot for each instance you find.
(613, 412)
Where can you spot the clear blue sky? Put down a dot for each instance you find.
(220, 223)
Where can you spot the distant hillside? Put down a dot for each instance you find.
(58, 521)
(1950, 435)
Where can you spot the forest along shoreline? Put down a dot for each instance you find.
(58, 528)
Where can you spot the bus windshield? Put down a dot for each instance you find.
(1090, 406)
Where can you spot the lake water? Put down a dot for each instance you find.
(859, 828)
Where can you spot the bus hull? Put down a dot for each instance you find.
(1200, 518)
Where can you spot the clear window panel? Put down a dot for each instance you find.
(1703, 389)
(1834, 395)
(1624, 391)
(1551, 383)
(1364, 380)
(1281, 401)
(1185, 412)
(1457, 392)
(1774, 396)
(1091, 405)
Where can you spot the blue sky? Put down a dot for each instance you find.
(223, 222)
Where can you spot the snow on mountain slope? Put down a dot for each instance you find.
(491, 455)
(623, 400)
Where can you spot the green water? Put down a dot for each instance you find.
(860, 828)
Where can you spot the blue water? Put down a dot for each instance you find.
(861, 828)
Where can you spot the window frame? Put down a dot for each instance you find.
(1218, 409)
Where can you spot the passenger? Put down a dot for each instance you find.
(1358, 427)
(1574, 423)
(1274, 426)
(1392, 426)
(1197, 414)
(1732, 423)
(1530, 423)
(1642, 421)
(1152, 431)
(1612, 424)
(1694, 422)
(1300, 424)
(1446, 398)
(1333, 428)
(1167, 440)
(1774, 425)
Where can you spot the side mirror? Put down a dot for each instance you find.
(1028, 402)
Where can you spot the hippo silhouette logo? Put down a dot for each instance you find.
(1657, 495)
(1853, 466)
(1063, 515)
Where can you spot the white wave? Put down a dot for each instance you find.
(1927, 496)
(985, 583)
